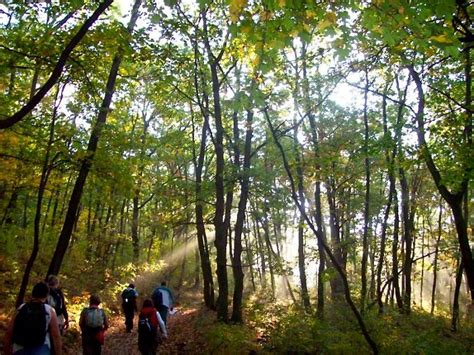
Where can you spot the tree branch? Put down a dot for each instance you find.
(36, 99)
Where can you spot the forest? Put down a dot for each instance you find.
(299, 172)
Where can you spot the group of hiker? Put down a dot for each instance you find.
(152, 318)
(37, 326)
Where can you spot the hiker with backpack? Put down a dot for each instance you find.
(163, 300)
(56, 300)
(93, 323)
(34, 328)
(149, 337)
(129, 305)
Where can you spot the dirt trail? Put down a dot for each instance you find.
(182, 337)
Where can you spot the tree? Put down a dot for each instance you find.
(65, 236)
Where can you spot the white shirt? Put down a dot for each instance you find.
(162, 324)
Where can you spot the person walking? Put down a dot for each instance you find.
(129, 305)
(34, 328)
(93, 323)
(149, 337)
(163, 300)
(57, 301)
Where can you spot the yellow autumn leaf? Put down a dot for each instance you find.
(444, 39)
(255, 61)
(236, 7)
(234, 17)
(331, 17)
(310, 14)
(246, 29)
(324, 24)
(282, 3)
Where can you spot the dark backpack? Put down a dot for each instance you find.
(30, 327)
(146, 331)
(157, 297)
(55, 300)
(128, 295)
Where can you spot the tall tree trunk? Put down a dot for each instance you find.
(65, 236)
(301, 238)
(198, 160)
(239, 224)
(389, 161)
(436, 253)
(219, 225)
(39, 202)
(260, 250)
(229, 199)
(395, 263)
(365, 238)
(383, 240)
(337, 288)
(407, 238)
(268, 243)
(300, 187)
(455, 317)
(422, 278)
(250, 260)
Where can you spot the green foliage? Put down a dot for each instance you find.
(281, 329)
(232, 339)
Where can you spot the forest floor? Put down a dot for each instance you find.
(185, 336)
(182, 338)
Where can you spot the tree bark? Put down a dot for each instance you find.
(408, 240)
(435, 262)
(239, 224)
(337, 288)
(455, 317)
(365, 238)
(198, 160)
(389, 161)
(46, 169)
(219, 224)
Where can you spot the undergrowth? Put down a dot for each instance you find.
(283, 328)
